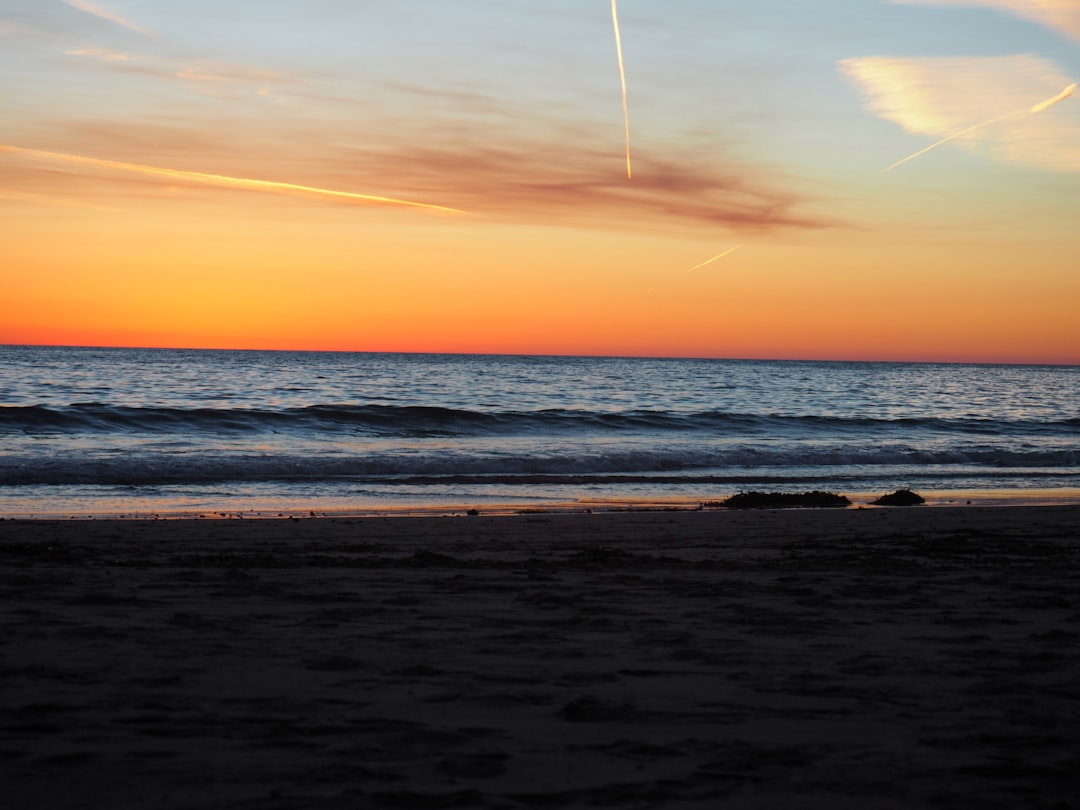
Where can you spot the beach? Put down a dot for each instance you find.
(916, 657)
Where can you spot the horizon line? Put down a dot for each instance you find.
(585, 356)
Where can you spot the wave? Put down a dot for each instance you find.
(568, 465)
(415, 420)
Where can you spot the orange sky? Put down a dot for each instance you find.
(178, 222)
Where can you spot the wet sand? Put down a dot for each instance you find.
(795, 659)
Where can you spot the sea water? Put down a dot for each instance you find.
(92, 431)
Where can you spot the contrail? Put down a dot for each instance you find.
(714, 258)
(956, 135)
(622, 78)
(224, 180)
(1050, 102)
(1037, 108)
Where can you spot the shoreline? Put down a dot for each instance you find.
(166, 510)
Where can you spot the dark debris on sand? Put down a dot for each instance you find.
(902, 497)
(785, 500)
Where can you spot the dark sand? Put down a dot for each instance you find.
(800, 659)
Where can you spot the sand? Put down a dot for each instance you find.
(921, 657)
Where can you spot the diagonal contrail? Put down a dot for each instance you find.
(954, 136)
(224, 180)
(1037, 108)
(714, 258)
(622, 78)
(1050, 102)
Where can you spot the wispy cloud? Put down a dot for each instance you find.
(953, 98)
(562, 178)
(12, 27)
(224, 72)
(550, 183)
(1062, 15)
(200, 75)
(207, 76)
(35, 198)
(104, 54)
(105, 14)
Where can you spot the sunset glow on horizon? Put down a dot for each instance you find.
(435, 177)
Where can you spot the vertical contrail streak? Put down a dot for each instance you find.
(1037, 108)
(622, 78)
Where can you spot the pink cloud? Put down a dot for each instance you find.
(1061, 15)
(105, 14)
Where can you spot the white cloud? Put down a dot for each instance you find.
(939, 97)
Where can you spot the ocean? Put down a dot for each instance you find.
(106, 432)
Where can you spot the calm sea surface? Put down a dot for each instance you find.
(107, 431)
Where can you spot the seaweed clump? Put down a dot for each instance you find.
(785, 500)
(902, 497)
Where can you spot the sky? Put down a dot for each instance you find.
(452, 176)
